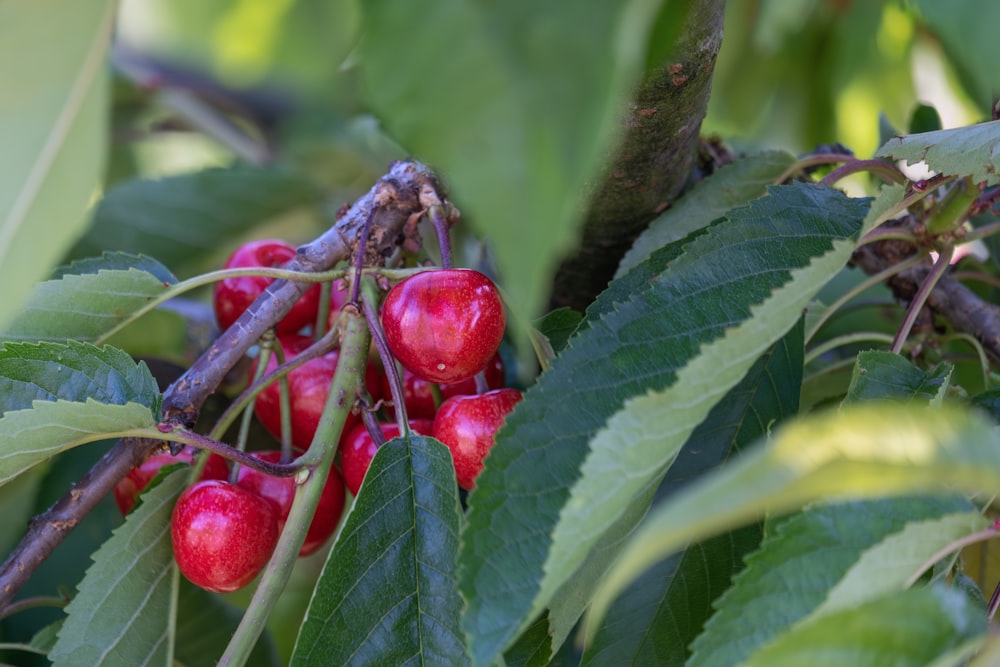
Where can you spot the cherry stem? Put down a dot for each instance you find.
(33, 603)
(888, 172)
(920, 298)
(441, 226)
(372, 426)
(370, 308)
(359, 258)
(482, 386)
(343, 389)
(813, 161)
(183, 436)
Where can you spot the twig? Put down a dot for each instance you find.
(398, 195)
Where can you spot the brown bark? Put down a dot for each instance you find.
(653, 160)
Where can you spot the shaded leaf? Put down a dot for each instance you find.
(911, 628)
(962, 151)
(123, 612)
(884, 375)
(660, 614)
(388, 593)
(206, 623)
(115, 261)
(28, 437)
(72, 372)
(533, 648)
(508, 99)
(53, 133)
(800, 563)
(863, 450)
(182, 219)
(655, 364)
(83, 306)
(732, 185)
(559, 326)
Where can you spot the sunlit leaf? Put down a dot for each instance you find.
(388, 593)
(122, 614)
(53, 132)
(962, 151)
(863, 450)
(632, 386)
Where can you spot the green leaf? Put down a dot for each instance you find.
(884, 375)
(808, 556)
(388, 593)
(533, 648)
(53, 133)
(862, 450)
(631, 388)
(962, 151)
(115, 261)
(890, 565)
(183, 219)
(733, 185)
(206, 623)
(660, 614)
(910, 628)
(84, 306)
(122, 614)
(72, 371)
(513, 125)
(559, 326)
(28, 437)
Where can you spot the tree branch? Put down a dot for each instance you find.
(396, 198)
(653, 161)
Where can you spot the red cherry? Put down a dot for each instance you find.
(232, 296)
(308, 387)
(468, 425)
(129, 488)
(444, 325)
(419, 397)
(358, 449)
(281, 492)
(222, 534)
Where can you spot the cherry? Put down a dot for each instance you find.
(308, 387)
(444, 325)
(358, 449)
(232, 296)
(138, 478)
(419, 397)
(222, 534)
(468, 425)
(281, 492)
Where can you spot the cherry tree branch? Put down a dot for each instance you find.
(394, 199)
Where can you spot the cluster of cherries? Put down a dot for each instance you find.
(444, 326)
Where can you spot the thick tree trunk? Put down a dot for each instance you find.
(654, 158)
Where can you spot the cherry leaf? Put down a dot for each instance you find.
(123, 612)
(962, 151)
(388, 593)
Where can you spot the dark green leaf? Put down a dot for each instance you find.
(182, 219)
(883, 375)
(72, 372)
(962, 151)
(631, 388)
(909, 629)
(732, 185)
(388, 592)
(206, 623)
(533, 648)
(53, 129)
(800, 564)
(513, 127)
(83, 306)
(123, 612)
(558, 326)
(862, 450)
(924, 118)
(660, 614)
